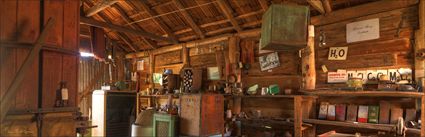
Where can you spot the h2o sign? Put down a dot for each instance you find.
(338, 53)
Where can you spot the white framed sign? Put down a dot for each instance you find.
(338, 53)
(362, 30)
(339, 76)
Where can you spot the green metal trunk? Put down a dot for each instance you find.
(284, 27)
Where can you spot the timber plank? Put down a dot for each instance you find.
(29, 23)
(71, 24)
(168, 58)
(284, 81)
(289, 65)
(8, 25)
(69, 71)
(362, 61)
(376, 47)
(54, 9)
(52, 76)
(361, 10)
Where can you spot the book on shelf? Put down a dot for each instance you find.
(363, 114)
(352, 113)
(373, 114)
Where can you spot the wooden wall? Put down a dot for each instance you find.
(287, 75)
(394, 48)
(20, 22)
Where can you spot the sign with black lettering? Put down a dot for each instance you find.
(363, 30)
(338, 53)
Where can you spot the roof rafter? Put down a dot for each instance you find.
(317, 4)
(264, 5)
(120, 35)
(135, 26)
(92, 22)
(189, 19)
(99, 7)
(151, 13)
(228, 13)
(327, 5)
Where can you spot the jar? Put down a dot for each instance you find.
(355, 83)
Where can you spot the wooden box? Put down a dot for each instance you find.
(284, 27)
(201, 114)
(164, 125)
(340, 112)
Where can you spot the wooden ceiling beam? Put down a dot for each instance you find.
(120, 35)
(317, 4)
(264, 5)
(92, 22)
(220, 22)
(361, 10)
(327, 5)
(229, 14)
(135, 26)
(127, 41)
(189, 19)
(103, 4)
(151, 13)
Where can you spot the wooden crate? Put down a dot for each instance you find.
(284, 27)
(201, 115)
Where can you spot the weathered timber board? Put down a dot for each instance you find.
(362, 61)
(54, 9)
(8, 33)
(168, 58)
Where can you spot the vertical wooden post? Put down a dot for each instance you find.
(298, 114)
(419, 63)
(420, 43)
(308, 63)
(423, 117)
(185, 56)
(152, 69)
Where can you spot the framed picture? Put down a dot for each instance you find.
(157, 78)
(140, 66)
(269, 61)
(213, 73)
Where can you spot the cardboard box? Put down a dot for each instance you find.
(384, 112)
(410, 115)
(363, 114)
(352, 113)
(373, 114)
(340, 112)
(331, 112)
(323, 112)
(395, 114)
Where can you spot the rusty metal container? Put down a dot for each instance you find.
(201, 115)
(284, 27)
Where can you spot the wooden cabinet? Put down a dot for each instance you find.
(113, 112)
(201, 114)
(284, 27)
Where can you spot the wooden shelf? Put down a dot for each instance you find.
(364, 93)
(266, 96)
(381, 127)
(44, 110)
(158, 96)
